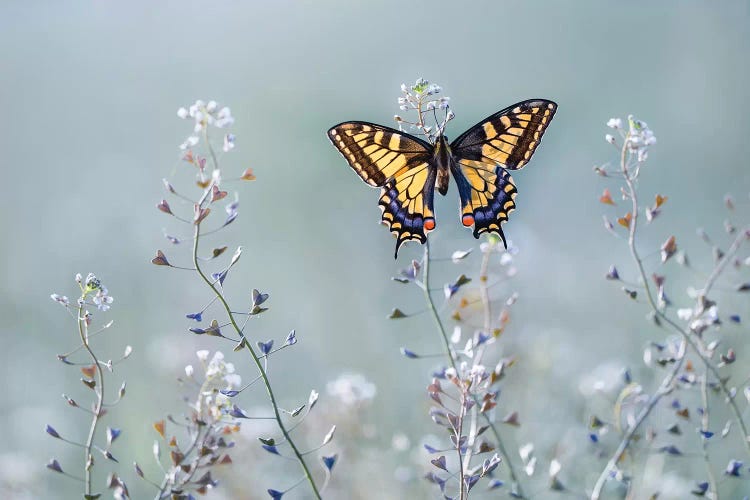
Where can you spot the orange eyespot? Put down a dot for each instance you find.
(467, 220)
(429, 224)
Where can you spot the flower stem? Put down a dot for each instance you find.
(462, 492)
(99, 390)
(487, 308)
(258, 364)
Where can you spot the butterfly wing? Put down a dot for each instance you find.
(504, 140)
(402, 166)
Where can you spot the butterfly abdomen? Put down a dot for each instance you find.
(442, 162)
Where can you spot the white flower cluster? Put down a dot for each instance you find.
(219, 375)
(700, 320)
(638, 137)
(419, 92)
(204, 114)
(102, 300)
(422, 97)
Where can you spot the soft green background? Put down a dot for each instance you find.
(89, 90)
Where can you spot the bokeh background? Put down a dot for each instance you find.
(90, 89)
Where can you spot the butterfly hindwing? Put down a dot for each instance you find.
(401, 165)
(487, 196)
(407, 204)
(504, 140)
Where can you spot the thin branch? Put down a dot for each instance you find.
(463, 494)
(664, 389)
(99, 391)
(713, 492)
(256, 359)
(487, 309)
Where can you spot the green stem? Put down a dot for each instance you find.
(99, 390)
(239, 331)
(686, 335)
(258, 364)
(487, 307)
(713, 492)
(664, 389)
(463, 494)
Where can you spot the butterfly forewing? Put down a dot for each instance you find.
(399, 163)
(378, 153)
(509, 137)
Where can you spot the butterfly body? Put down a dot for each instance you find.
(409, 169)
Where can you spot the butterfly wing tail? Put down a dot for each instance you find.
(487, 198)
(407, 206)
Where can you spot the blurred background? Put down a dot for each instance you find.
(90, 92)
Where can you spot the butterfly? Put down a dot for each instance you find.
(408, 169)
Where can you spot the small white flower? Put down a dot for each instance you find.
(526, 451)
(233, 380)
(211, 106)
(202, 355)
(554, 467)
(609, 138)
(615, 123)
(400, 442)
(224, 118)
(182, 113)
(228, 142)
(189, 142)
(189, 371)
(102, 300)
(530, 467)
(60, 299)
(215, 366)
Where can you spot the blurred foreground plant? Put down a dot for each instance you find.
(691, 373)
(206, 429)
(92, 294)
(215, 398)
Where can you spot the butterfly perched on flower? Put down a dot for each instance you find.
(408, 169)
